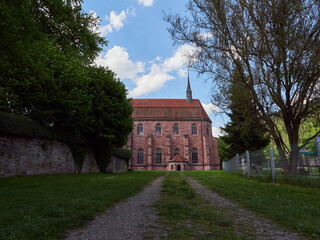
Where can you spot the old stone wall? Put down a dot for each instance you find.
(30, 156)
(117, 165)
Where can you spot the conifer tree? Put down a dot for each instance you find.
(245, 131)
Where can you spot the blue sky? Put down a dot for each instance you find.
(141, 51)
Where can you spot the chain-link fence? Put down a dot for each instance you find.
(266, 165)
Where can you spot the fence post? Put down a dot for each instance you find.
(238, 162)
(318, 148)
(273, 170)
(248, 163)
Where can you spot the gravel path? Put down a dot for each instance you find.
(130, 219)
(247, 221)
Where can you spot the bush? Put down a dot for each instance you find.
(122, 153)
(21, 125)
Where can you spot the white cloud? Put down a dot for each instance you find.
(117, 59)
(116, 21)
(180, 58)
(150, 82)
(146, 79)
(205, 36)
(217, 132)
(210, 107)
(146, 3)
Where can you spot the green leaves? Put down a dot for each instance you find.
(46, 51)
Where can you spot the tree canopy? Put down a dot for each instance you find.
(277, 43)
(47, 51)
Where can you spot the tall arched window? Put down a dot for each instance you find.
(140, 156)
(158, 156)
(175, 129)
(194, 128)
(140, 129)
(208, 130)
(176, 151)
(158, 129)
(194, 155)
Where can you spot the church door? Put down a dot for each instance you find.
(178, 168)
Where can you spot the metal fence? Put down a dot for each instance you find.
(266, 163)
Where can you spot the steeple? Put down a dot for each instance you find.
(189, 92)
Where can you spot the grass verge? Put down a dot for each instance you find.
(185, 215)
(44, 207)
(291, 206)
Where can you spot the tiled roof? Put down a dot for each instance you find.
(177, 158)
(168, 109)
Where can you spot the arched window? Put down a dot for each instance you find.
(208, 130)
(158, 156)
(158, 129)
(175, 129)
(140, 129)
(194, 128)
(176, 151)
(194, 155)
(140, 156)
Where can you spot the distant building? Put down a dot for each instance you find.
(172, 134)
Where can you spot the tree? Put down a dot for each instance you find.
(46, 53)
(277, 43)
(44, 50)
(245, 131)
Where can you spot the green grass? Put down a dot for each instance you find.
(291, 206)
(185, 215)
(45, 206)
(312, 181)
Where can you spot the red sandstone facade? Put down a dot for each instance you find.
(190, 146)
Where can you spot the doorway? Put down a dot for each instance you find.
(178, 168)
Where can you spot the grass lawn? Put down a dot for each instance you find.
(45, 206)
(185, 215)
(294, 207)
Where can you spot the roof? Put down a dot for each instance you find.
(168, 109)
(177, 158)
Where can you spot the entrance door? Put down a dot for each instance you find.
(178, 168)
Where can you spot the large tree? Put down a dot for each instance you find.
(277, 42)
(47, 50)
(245, 130)
(45, 47)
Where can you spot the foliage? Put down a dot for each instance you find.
(110, 113)
(47, 206)
(293, 207)
(23, 126)
(46, 73)
(102, 151)
(79, 153)
(222, 149)
(122, 153)
(278, 44)
(245, 131)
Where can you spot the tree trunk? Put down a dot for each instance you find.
(293, 134)
(294, 155)
(283, 157)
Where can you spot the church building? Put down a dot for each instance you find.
(173, 135)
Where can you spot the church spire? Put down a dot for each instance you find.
(189, 92)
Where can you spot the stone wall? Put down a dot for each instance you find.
(30, 156)
(117, 165)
